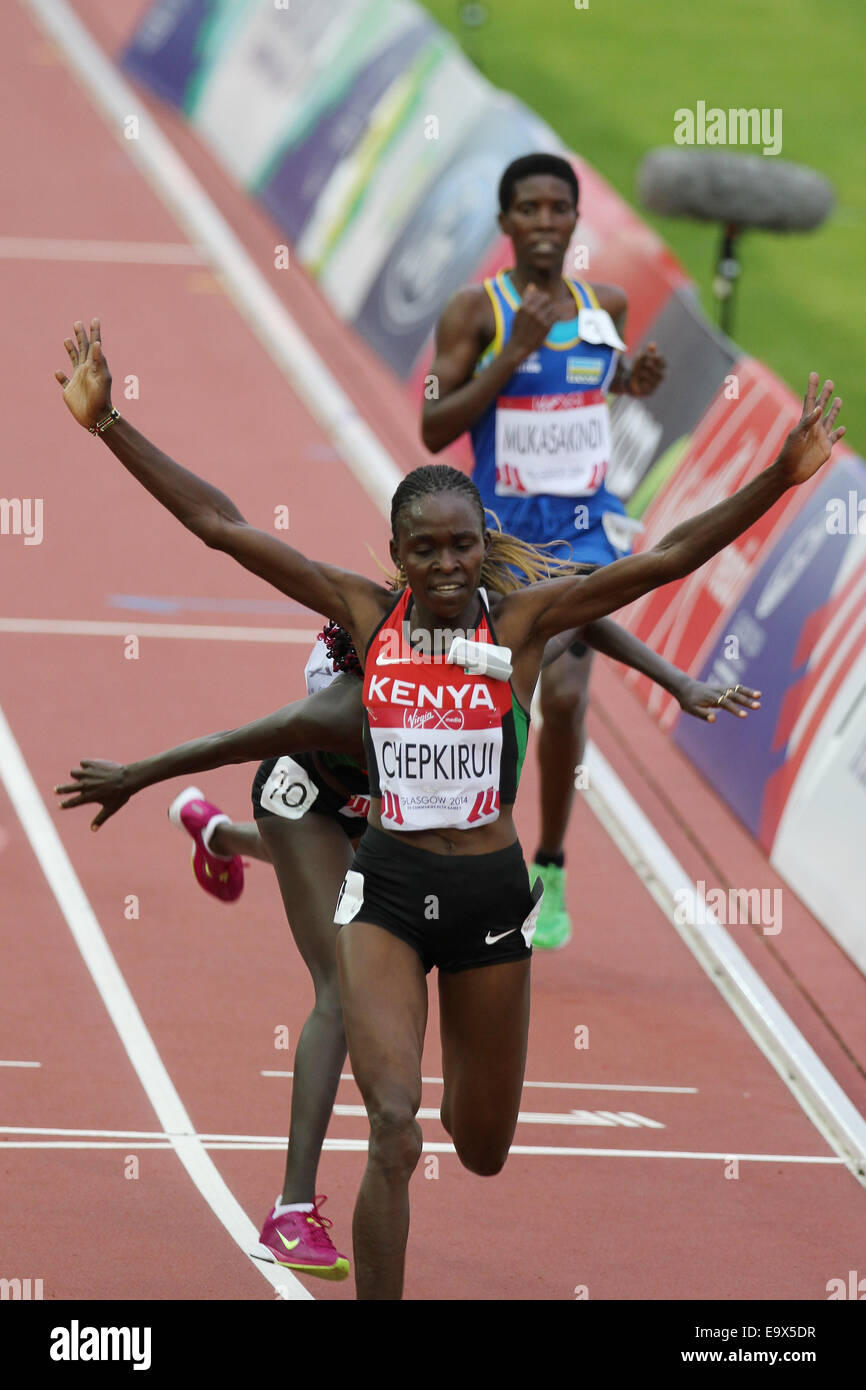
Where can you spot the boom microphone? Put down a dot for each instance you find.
(737, 190)
(746, 190)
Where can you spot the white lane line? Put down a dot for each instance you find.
(535, 1117)
(121, 1006)
(26, 248)
(611, 1086)
(815, 1089)
(257, 303)
(120, 1138)
(277, 1145)
(205, 632)
(20, 1064)
(548, 1085)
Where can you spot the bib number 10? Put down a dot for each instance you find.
(289, 791)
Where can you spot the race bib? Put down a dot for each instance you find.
(552, 444)
(289, 791)
(621, 530)
(528, 928)
(596, 326)
(351, 898)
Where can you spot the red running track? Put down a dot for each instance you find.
(619, 1220)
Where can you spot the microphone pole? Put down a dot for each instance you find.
(727, 274)
(737, 192)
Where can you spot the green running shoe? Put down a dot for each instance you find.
(554, 924)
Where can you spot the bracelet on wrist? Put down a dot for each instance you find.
(107, 420)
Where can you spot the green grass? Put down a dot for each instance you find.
(609, 78)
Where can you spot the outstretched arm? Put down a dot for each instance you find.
(329, 720)
(355, 602)
(699, 698)
(558, 604)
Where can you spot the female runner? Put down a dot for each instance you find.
(439, 877)
(320, 770)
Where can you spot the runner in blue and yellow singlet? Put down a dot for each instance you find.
(524, 363)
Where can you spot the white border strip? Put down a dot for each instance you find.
(208, 230)
(75, 627)
(123, 1011)
(766, 1022)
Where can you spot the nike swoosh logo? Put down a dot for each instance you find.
(289, 1244)
(491, 940)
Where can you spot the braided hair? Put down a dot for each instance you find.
(341, 649)
(510, 563)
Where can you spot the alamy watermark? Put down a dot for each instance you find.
(736, 126)
(20, 1289)
(732, 907)
(415, 645)
(846, 516)
(22, 516)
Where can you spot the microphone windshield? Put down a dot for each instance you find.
(748, 190)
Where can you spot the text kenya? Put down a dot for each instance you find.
(417, 696)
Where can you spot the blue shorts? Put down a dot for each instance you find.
(590, 547)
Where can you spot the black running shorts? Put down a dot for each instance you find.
(458, 911)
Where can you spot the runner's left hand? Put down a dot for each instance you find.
(810, 443)
(647, 371)
(701, 699)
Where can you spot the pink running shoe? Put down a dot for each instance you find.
(217, 875)
(299, 1240)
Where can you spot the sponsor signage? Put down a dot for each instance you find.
(793, 635)
(733, 441)
(451, 227)
(333, 121)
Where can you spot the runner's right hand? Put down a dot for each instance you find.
(96, 780)
(87, 392)
(532, 322)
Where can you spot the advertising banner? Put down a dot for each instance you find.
(412, 136)
(447, 235)
(819, 843)
(792, 634)
(168, 50)
(333, 118)
(699, 361)
(796, 772)
(740, 434)
(246, 99)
